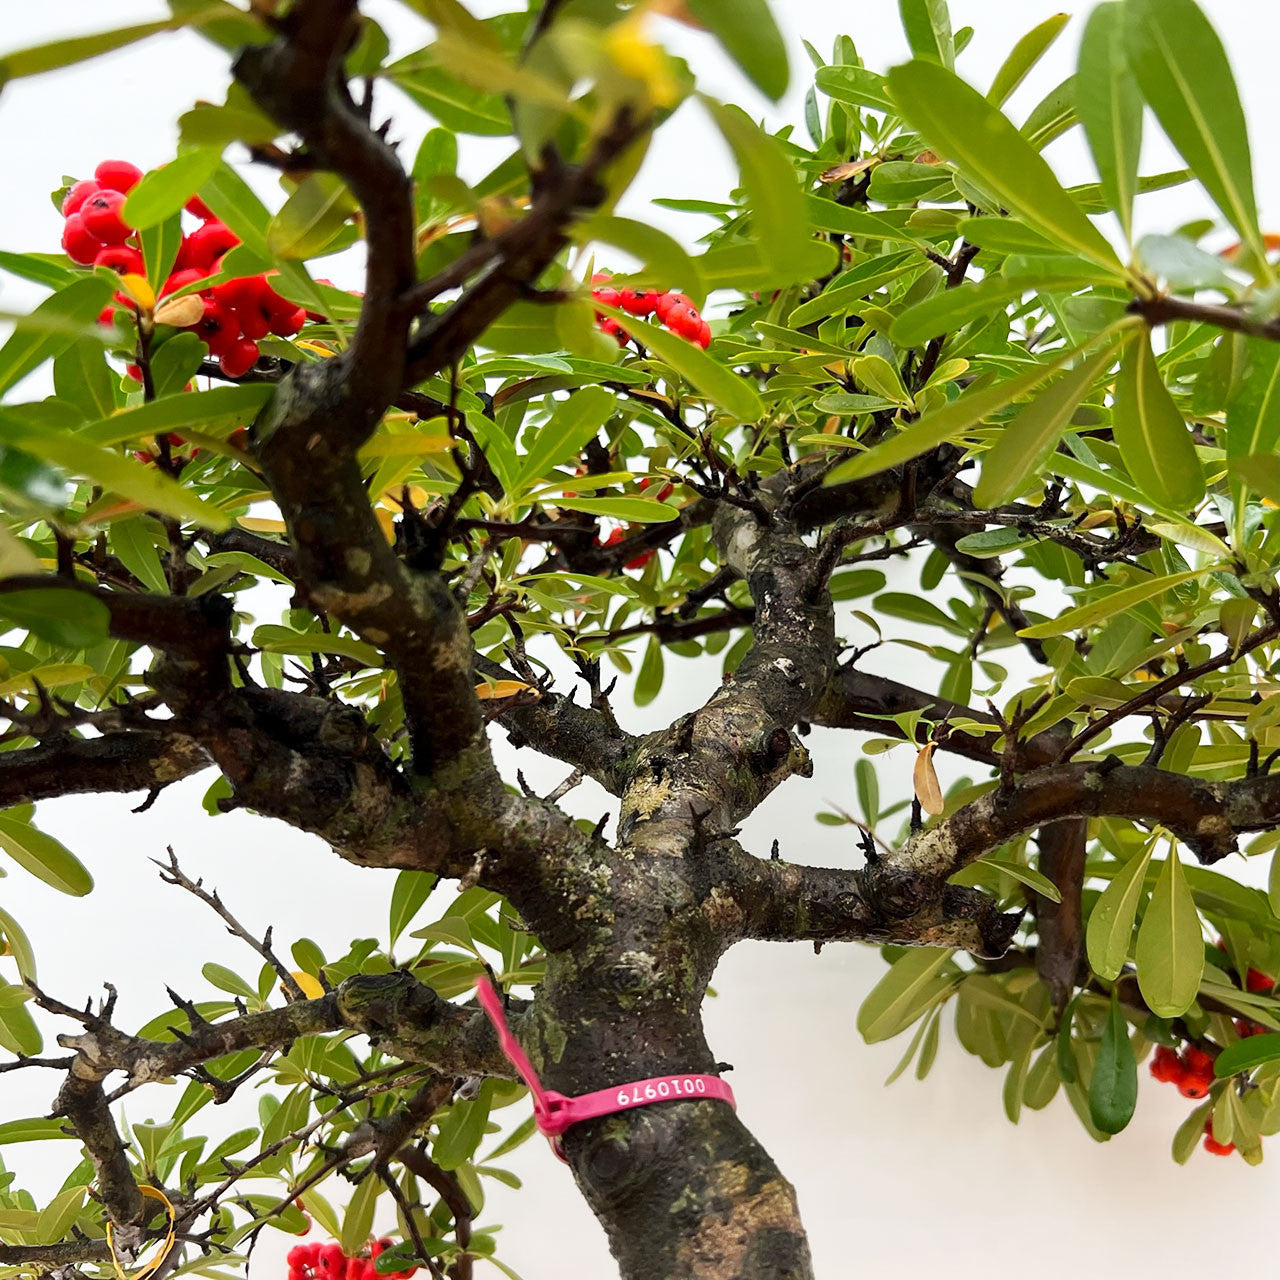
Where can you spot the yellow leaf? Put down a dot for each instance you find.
(311, 987)
(387, 523)
(925, 780)
(258, 524)
(141, 291)
(314, 347)
(501, 689)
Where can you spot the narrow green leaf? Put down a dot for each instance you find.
(412, 889)
(1244, 1055)
(1170, 950)
(81, 377)
(160, 244)
(1187, 1137)
(138, 550)
(1110, 926)
(44, 857)
(1152, 434)
(19, 946)
(850, 288)
(1024, 55)
(963, 126)
(71, 310)
(706, 375)
(928, 27)
(1107, 606)
(18, 1031)
(778, 211)
(33, 1130)
(162, 192)
(666, 264)
(1031, 435)
(217, 411)
(1183, 72)
(1253, 417)
(38, 268)
(38, 59)
(1052, 116)
(953, 309)
(912, 984)
(948, 422)
(1113, 1089)
(357, 1222)
(855, 85)
(1029, 876)
(572, 424)
(309, 219)
(1110, 108)
(58, 615)
(749, 35)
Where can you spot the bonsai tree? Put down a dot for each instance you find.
(321, 546)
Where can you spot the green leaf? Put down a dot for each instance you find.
(748, 33)
(1244, 1055)
(1024, 55)
(137, 543)
(81, 377)
(46, 858)
(33, 1130)
(233, 201)
(1170, 950)
(38, 59)
(912, 984)
(462, 1129)
(572, 424)
(856, 86)
(1110, 108)
(18, 1031)
(19, 946)
(145, 485)
(38, 268)
(928, 27)
(162, 192)
(953, 309)
(649, 678)
(1187, 1137)
(1052, 116)
(309, 219)
(1110, 926)
(706, 375)
(778, 211)
(947, 422)
(1253, 417)
(227, 980)
(357, 1222)
(1152, 434)
(1031, 435)
(59, 615)
(218, 411)
(455, 105)
(1107, 606)
(411, 890)
(1183, 72)
(1113, 1089)
(1004, 235)
(632, 510)
(70, 312)
(1029, 876)
(850, 288)
(963, 126)
(667, 265)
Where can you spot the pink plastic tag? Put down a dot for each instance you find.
(555, 1112)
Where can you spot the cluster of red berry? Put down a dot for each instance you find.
(1191, 1068)
(674, 310)
(638, 562)
(318, 1261)
(235, 314)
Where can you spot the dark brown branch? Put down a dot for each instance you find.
(1166, 309)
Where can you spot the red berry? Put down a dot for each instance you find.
(1165, 1066)
(199, 208)
(204, 246)
(285, 324)
(600, 277)
(107, 315)
(121, 258)
(1198, 1062)
(118, 175)
(683, 321)
(242, 293)
(704, 336)
(1246, 1029)
(301, 1255)
(380, 1246)
(639, 562)
(610, 297)
(142, 456)
(180, 280)
(1258, 981)
(132, 371)
(78, 244)
(1212, 1145)
(611, 328)
(298, 1273)
(239, 357)
(663, 494)
(638, 303)
(77, 194)
(218, 328)
(100, 214)
(332, 1261)
(665, 301)
(1191, 1086)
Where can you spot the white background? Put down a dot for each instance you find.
(924, 1178)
